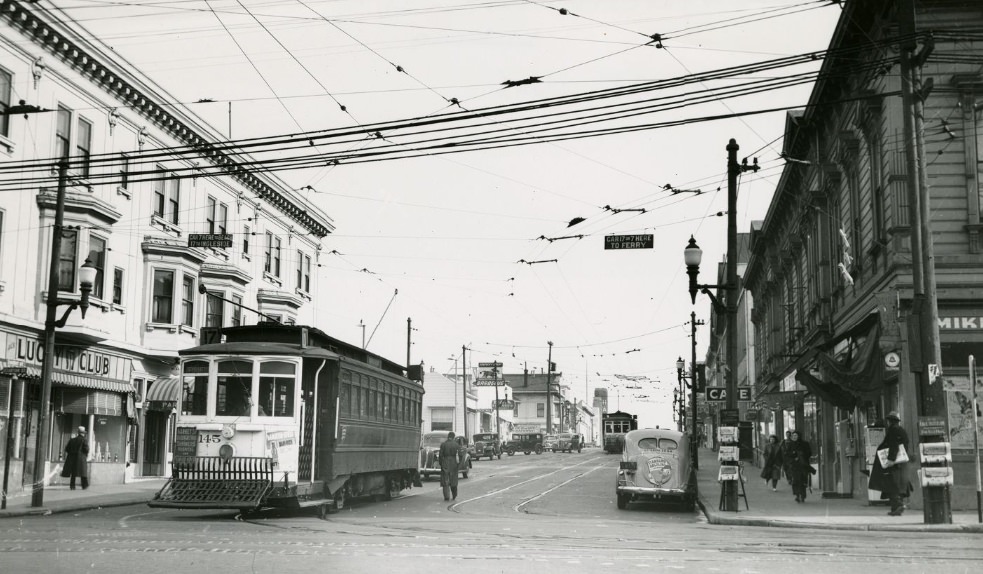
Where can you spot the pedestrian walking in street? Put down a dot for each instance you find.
(799, 453)
(786, 458)
(76, 460)
(771, 470)
(892, 481)
(450, 460)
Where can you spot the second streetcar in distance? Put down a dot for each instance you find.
(614, 427)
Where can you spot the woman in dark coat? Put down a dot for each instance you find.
(76, 463)
(772, 468)
(799, 452)
(893, 481)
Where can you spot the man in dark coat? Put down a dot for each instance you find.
(76, 463)
(799, 452)
(892, 481)
(450, 457)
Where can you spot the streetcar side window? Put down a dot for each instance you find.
(345, 394)
(276, 389)
(233, 395)
(194, 394)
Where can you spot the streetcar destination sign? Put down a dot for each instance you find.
(488, 382)
(629, 241)
(223, 240)
(490, 365)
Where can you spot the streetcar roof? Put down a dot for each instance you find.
(259, 348)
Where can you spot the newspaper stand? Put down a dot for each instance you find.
(729, 475)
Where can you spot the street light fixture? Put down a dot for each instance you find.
(87, 278)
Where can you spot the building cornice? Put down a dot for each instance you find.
(137, 98)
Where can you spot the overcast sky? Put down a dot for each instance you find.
(479, 245)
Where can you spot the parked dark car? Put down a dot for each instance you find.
(487, 444)
(527, 443)
(569, 442)
(430, 454)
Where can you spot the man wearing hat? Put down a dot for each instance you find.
(893, 480)
(76, 463)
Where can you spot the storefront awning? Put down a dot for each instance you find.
(61, 379)
(164, 389)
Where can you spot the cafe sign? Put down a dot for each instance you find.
(69, 359)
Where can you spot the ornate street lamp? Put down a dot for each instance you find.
(87, 279)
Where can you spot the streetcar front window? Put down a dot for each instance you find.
(233, 395)
(194, 393)
(276, 389)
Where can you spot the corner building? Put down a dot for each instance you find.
(831, 265)
(133, 196)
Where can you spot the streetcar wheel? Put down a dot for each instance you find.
(338, 503)
(392, 489)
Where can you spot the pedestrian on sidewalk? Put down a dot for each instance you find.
(450, 460)
(786, 456)
(771, 471)
(76, 460)
(892, 481)
(800, 452)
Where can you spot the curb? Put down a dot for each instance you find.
(45, 511)
(719, 520)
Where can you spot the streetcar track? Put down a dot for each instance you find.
(454, 507)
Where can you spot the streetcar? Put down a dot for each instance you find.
(614, 426)
(286, 416)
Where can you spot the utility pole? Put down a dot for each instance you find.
(498, 416)
(409, 334)
(729, 487)
(694, 439)
(936, 499)
(549, 389)
(464, 390)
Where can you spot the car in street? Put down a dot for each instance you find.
(551, 442)
(525, 442)
(430, 454)
(655, 467)
(488, 445)
(569, 442)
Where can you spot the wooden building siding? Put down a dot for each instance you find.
(856, 184)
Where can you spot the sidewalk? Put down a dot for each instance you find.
(769, 508)
(59, 499)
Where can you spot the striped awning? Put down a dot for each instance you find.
(62, 379)
(164, 389)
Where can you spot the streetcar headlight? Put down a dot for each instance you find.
(226, 452)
